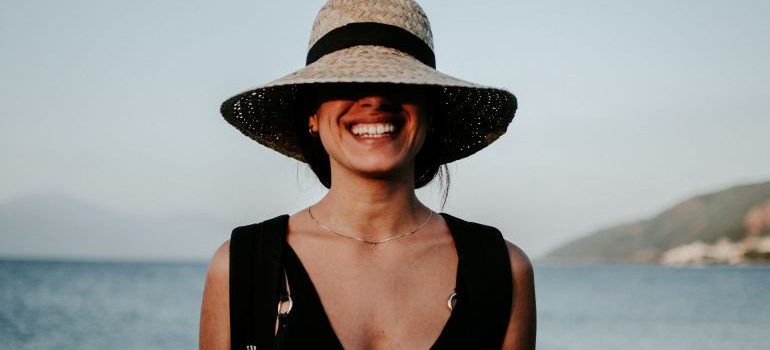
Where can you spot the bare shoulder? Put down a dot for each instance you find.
(521, 266)
(219, 266)
(522, 325)
(214, 331)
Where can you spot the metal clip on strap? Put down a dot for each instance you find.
(285, 303)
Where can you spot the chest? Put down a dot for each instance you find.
(396, 302)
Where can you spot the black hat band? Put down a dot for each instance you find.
(372, 33)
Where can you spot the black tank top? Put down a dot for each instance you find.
(259, 254)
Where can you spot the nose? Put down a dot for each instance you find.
(378, 102)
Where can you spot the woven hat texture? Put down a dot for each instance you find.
(473, 116)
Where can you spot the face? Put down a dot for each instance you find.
(372, 130)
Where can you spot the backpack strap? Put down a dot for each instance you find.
(256, 278)
(486, 273)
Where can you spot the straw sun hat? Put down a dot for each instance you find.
(374, 41)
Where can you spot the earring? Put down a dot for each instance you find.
(310, 130)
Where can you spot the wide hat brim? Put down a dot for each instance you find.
(472, 116)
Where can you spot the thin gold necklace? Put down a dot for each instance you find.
(373, 244)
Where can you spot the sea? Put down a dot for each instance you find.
(119, 305)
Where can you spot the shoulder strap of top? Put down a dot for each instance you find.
(255, 279)
(487, 278)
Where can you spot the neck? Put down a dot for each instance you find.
(371, 208)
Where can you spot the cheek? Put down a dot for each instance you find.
(325, 133)
(422, 125)
(329, 133)
(329, 112)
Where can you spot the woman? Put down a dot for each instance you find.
(369, 266)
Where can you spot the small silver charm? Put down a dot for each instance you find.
(452, 301)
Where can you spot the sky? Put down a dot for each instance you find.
(625, 107)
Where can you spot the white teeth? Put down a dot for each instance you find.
(375, 129)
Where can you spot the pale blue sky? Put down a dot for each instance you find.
(626, 107)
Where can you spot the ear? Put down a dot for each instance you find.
(312, 124)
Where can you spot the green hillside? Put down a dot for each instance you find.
(706, 218)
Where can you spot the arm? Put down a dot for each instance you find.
(215, 308)
(523, 323)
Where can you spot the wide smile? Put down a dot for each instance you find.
(372, 130)
(375, 129)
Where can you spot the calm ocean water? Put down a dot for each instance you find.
(71, 305)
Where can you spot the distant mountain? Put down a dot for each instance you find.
(727, 225)
(58, 226)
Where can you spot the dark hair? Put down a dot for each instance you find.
(427, 164)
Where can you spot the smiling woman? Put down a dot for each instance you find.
(369, 266)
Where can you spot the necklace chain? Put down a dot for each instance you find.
(372, 243)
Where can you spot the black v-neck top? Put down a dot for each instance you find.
(259, 253)
(308, 325)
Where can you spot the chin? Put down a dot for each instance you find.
(381, 169)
